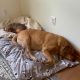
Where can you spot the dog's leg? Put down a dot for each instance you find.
(14, 39)
(50, 59)
(48, 51)
(28, 48)
(30, 53)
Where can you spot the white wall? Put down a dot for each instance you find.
(9, 8)
(24, 7)
(67, 13)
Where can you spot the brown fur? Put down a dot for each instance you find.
(15, 27)
(49, 43)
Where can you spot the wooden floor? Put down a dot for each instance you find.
(70, 73)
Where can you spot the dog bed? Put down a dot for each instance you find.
(25, 69)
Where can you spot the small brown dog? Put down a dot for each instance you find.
(49, 43)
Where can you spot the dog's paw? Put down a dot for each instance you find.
(33, 58)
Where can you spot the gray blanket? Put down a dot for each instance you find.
(25, 69)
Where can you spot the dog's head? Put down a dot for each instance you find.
(15, 27)
(71, 53)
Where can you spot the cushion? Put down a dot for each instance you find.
(29, 22)
(24, 68)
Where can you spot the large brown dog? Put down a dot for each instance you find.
(49, 43)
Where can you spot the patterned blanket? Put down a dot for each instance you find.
(25, 69)
(5, 70)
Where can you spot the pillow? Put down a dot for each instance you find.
(4, 23)
(29, 22)
(33, 24)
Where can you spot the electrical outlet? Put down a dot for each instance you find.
(53, 20)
